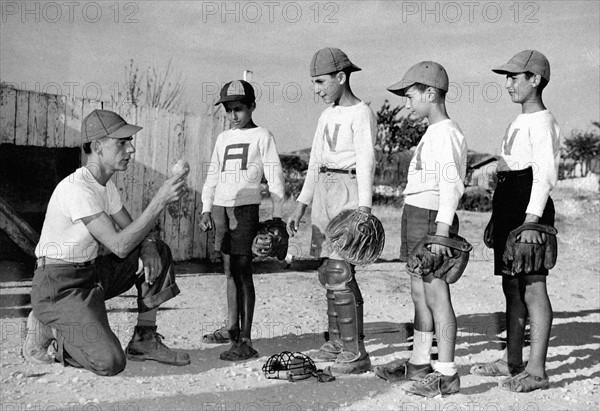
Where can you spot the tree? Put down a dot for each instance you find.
(583, 148)
(155, 88)
(395, 133)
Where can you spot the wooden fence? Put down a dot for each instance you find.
(29, 118)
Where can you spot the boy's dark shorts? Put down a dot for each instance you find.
(235, 228)
(509, 206)
(417, 223)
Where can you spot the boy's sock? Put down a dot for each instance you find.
(147, 318)
(422, 342)
(445, 368)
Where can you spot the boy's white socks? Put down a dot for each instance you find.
(445, 368)
(422, 342)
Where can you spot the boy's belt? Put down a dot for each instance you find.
(43, 261)
(337, 170)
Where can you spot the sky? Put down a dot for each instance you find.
(83, 47)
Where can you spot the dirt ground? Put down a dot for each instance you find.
(290, 315)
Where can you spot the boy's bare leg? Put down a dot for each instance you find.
(540, 315)
(516, 317)
(437, 293)
(241, 267)
(232, 304)
(423, 323)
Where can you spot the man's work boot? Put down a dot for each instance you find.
(146, 344)
(38, 339)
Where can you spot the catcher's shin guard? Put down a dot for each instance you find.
(330, 350)
(354, 358)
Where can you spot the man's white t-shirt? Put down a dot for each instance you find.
(64, 236)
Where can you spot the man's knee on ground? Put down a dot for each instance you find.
(109, 362)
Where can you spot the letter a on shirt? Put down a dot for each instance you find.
(232, 153)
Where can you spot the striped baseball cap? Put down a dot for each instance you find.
(104, 123)
(237, 90)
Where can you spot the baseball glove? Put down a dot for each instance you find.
(522, 257)
(423, 262)
(272, 240)
(358, 237)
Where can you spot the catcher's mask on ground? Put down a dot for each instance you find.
(293, 366)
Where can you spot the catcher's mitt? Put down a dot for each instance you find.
(423, 262)
(293, 366)
(358, 237)
(527, 257)
(272, 240)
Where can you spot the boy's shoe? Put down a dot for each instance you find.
(404, 371)
(359, 366)
(240, 351)
(524, 382)
(497, 368)
(218, 336)
(329, 351)
(434, 384)
(146, 344)
(38, 339)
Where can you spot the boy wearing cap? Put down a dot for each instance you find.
(231, 197)
(339, 177)
(434, 187)
(532, 140)
(72, 280)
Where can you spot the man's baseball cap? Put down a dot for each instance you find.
(103, 123)
(428, 73)
(330, 60)
(237, 90)
(526, 60)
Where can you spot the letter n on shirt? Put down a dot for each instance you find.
(331, 140)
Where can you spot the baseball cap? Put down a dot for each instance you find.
(428, 73)
(237, 90)
(526, 60)
(104, 123)
(330, 60)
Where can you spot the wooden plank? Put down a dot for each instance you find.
(134, 182)
(73, 118)
(193, 156)
(203, 241)
(37, 132)
(17, 229)
(90, 105)
(160, 165)
(8, 113)
(21, 117)
(56, 120)
(174, 212)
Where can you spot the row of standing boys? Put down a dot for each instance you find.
(340, 177)
(71, 288)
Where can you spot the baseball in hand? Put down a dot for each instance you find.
(181, 168)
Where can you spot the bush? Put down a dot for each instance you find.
(476, 199)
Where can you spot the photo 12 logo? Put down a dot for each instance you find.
(270, 12)
(470, 11)
(69, 12)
